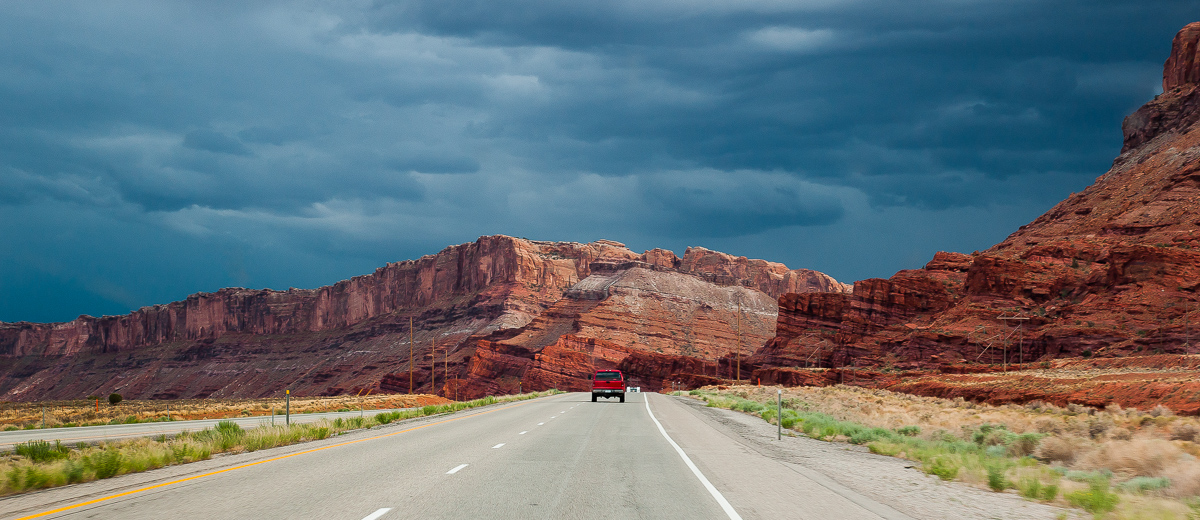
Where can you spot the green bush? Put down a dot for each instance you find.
(1144, 484)
(104, 464)
(909, 431)
(42, 451)
(114, 398)
(1097, 499)
(943, 467)
(996, 478)
(865, 435)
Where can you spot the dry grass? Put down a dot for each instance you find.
(1148, 459)
(37, 464)
(83, 412)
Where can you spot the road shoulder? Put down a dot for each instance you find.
(848, 476)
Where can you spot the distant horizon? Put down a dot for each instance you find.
(153, 151)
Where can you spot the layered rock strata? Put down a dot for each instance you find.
(1110, 271)
(353, 336)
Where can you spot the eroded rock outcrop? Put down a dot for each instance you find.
(1110, 271)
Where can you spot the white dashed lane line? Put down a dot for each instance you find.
(456, 468)
(378, 513)
(523, 433)
(498, 445)
(541, 423)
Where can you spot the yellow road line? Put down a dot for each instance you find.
(211, 473)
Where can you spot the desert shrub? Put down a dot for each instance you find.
(996, 451)
(1185, 479)
(866, 435)
(1145, 457)
(909, 431)
(1161, 411)
(1024, 444)
(1184, 432)
(1098, 425)
(1097, 499)
(114, 398)
(990, 434)
(104, 464)
(943, 467)
(42, 451)
(1034, 489)
(1048, 425)
(996, 478)
(1059, 449)
(1144, 484)
(743, 405)
(1120, 434)
(73, 471)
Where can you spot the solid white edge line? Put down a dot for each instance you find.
(456, 468)
(733, 515)
(382, 511)
(498, 445)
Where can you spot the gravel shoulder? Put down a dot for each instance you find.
(887, 486)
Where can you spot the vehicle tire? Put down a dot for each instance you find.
(622, 398)
(593, 398)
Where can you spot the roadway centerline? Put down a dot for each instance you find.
(498, 445)
(456, 468)
(523, 433)
(541, 423)
(378, 513)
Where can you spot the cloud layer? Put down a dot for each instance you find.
(149, 150)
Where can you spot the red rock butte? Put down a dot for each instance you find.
(496, 315)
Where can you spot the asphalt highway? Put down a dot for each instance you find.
(553, 457)
(123, 431)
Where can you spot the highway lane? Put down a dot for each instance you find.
(554, 457)
(124, 431)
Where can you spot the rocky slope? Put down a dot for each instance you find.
(354, 335)
(1110, 271)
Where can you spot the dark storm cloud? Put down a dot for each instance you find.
(284, 144)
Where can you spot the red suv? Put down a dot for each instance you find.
(608, 383)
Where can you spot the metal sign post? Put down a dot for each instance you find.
(287, 414)
(779, 414)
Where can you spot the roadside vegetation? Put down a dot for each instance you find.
(97, 411)
(1113, 463)
(40, 464)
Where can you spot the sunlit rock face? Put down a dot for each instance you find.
(497, 302)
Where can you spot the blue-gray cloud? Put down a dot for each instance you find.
(294, 145)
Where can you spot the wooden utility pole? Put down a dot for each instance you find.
(410, 355)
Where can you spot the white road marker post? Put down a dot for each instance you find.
(779, 414)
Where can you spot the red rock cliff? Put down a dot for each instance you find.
(1110, 271)
(464, 303)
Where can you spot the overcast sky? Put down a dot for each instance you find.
(150, 150)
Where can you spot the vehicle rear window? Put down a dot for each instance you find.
(608, 376)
